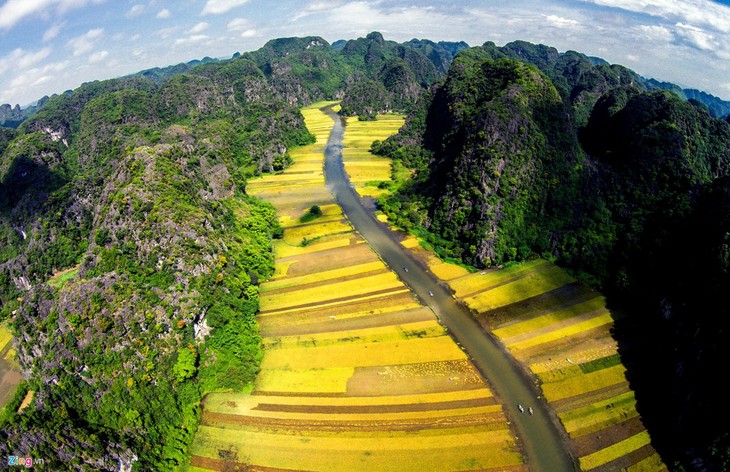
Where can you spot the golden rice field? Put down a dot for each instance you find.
(10, 376)
(366, 170)
(562, 331)
(356, 374)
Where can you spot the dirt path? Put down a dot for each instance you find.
(544, 439)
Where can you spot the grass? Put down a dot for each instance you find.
(63, 277)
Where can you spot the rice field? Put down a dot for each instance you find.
(10, 376)
(561, 330)
(367, 170)
(356, 374)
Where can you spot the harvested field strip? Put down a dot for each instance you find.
(473, 424)
(386, 442)
(526, 286)
(320, 276)
(292, 456)
(350, 299)
(400, 332)
(319, 322)
(314, 417)
(615, 451)
(364, 354)
(381, 408)
(519, 327)
(486, 280)
(239, 403)
(652, 463)
(576, 385)
(596, 319)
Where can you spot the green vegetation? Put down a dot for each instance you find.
(579, 164)
(312, 214)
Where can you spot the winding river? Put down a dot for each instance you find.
(544, 439)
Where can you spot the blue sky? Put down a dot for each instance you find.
(48, 46)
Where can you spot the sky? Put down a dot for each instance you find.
(49, 46)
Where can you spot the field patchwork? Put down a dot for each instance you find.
(356, 374)
(562, 331)
(366, 170)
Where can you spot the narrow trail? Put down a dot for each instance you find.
(544, 440)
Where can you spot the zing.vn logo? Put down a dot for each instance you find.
(24, 461)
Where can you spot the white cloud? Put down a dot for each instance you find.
(98, 56)
(249, 33)
(136, 10)
(163, 14)
(315, 7)
(655, 33)
(702, 12)
(696, 37)
(238, 24)
(560, 22)
(199, 28)
(216, 7)
(633, 57)
(51, 33)
(19, 59)
(195, 38)
(13, 11)
(85, 43)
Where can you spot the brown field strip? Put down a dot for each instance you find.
(356, 374)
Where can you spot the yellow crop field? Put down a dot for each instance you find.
(335, 290)
(283, 249)
(528, 286)
(480, 281)
(585, 383)
(312, 380)
(365, 354)
(572, 329)
(382, 452)
(514, 329)
(5, 336)
(599, 415)
(364, 168)
(324, 275)
(615, 451)
(420, 329)
(316, 230)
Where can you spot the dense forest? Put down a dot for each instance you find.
(130, 253)
(522, 152)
